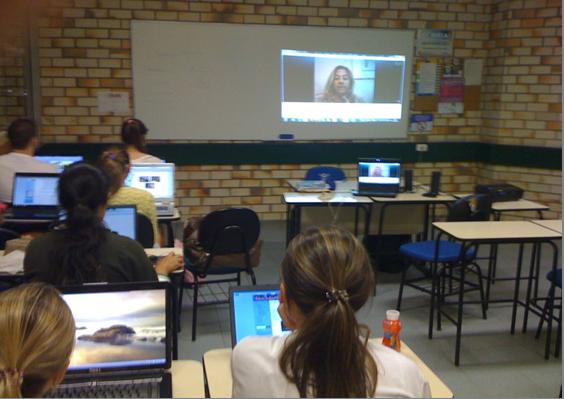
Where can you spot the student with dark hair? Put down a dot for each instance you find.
(326, 278)
(115, 163)
(37, 333)
(24, 141)
(133, 135)
(81, 249)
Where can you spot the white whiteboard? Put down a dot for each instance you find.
(208, 81)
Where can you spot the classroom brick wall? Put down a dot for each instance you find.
(85, 47)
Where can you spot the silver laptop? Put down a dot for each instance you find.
(60, 161)
(34, 196)
(378, 177)
(254, 312)
(158, 179)
(123, 341)
(122, 219)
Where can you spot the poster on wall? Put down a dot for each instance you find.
(433, 42)
(113, 102)
(421, 123)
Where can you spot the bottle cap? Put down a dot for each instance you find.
(392, 314)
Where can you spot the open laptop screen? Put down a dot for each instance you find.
(61, 161)
(35, 189)
(156, 178)
(121, 219)
(254, 311)
(378, 171)
(120, 327)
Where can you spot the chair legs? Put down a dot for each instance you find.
(548, 314)
(195, 308)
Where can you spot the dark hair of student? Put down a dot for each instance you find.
(20, 132)
(83, 189)
(328, 275)
(114, 162)
(133, 133)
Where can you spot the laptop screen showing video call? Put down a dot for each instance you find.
(158, 179)
(122, 329)
(121, 219)
(61, 161)
(379, 172)
(35, 190)
(255, 312)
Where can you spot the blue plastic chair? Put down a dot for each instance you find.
(451, 255)
(555, 278)
(329, 174)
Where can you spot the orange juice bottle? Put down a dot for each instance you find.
(392, 328)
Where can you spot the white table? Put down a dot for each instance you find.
(502, 232)
(187, 379)
(552, 224)
(520, 205)
(217, 369)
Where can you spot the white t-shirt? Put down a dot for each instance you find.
(256, 373)
(21, 163)
(147, 158)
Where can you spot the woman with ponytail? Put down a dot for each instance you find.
(37, 336)
(134, 137)
(326, 278)
(81, 249)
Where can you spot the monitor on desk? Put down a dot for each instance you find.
(378, 177)
(158, 179)
(121, 219)
(61, 161)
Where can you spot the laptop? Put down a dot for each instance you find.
(158, 179)
(254, 311)
(122, 219)
(378, 177)
(34, 196)
(60, 161)
(123, 338)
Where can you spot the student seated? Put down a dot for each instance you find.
(37, 334)
(81, 249)
(133, 135)
(115, 163)
(24, 141)
(326, 277)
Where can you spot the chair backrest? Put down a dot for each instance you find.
(324, 172)
(229, 231)
(144, 231)
(5, 235)
(475, 208)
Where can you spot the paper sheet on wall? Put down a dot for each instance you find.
(113, 102)
(473, 72)
(426, 79)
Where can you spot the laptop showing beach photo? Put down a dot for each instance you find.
(254, 312)
(123, 342)
(158, 179)
(378, 177)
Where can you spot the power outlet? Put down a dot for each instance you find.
(421, 147)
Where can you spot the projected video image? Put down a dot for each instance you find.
(346, 88)
(117, 329)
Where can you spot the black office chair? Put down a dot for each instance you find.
(144, 231)
(6, 235)
(453, 258)
(552, 302)
(230, 241)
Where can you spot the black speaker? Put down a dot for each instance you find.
(435, 185)
(408, 180)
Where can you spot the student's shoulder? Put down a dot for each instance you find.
(389, 356)
(258, 347)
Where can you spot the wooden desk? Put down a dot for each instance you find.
(217, 370)
(552, 224)
(296, 201)
(187, 379)
(500, 232)
(163, 251)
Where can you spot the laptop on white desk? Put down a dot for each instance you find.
(123, 341)
(378, 177)
(34, 196)
(158, 179)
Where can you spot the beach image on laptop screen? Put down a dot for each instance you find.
(118, 329)
(35, 189)
(254, 311)
(158, 179)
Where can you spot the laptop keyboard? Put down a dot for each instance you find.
(137, 388)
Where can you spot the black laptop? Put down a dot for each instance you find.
(378, 177)
(123, 341)
(254, 312)
(34, 196)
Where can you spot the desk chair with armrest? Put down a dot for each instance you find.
(453, 257)
(144, 231)
(230, 241)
